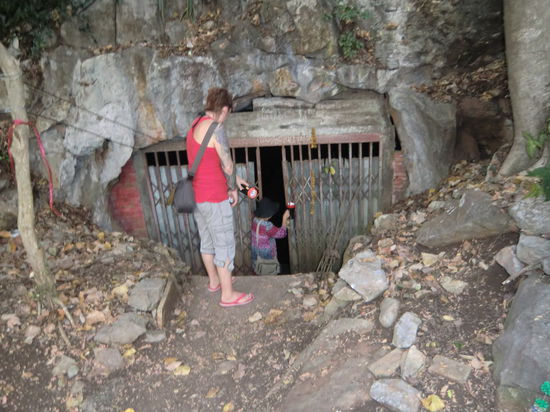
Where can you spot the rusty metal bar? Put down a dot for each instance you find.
(370, 180)
(321, 195)
(331, 183)
(361, 216)
(380, 173)
(160, 190)
(259, 171)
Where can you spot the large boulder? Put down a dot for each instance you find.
(521, 353)
(474, 217)
(532, 215)
(427, 131)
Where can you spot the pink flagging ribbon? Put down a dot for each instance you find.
(18, 122)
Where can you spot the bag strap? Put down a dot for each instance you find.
(202, 149)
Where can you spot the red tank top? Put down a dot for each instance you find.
(209, 182)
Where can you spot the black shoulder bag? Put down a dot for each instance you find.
(184, 196)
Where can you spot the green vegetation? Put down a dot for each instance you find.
(534, 146)
(347, 18)
(34, 21)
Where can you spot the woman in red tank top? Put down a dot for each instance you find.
(214, 183)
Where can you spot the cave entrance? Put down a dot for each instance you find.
(333, 159)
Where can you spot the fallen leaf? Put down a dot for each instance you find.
(448, 318)
(129, 353)
(433, 403)
(255, 317)
(212, 393)
(182, 370)
(228, 407)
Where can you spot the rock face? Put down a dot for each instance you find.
(427, 131)
(521, 353)
(282, 48)
(365, 275)
(475, 217)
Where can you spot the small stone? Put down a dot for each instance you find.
(450, 369)
(396, 394)
(436, 204)
(309, 301)
(126, 329)
(412, 363)
(404, 332)
(389, 309)
(255, 317)
(387, 365)
(31, 332)
(454, 286)
(65, 366)
(146, 294)
(225, 367)
(418, 218)
(108, 359)
(428, 259)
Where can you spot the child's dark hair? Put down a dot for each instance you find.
(217, 99)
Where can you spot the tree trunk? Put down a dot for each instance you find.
(20, 151)
(527, 49)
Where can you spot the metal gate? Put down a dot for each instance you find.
(334, 182)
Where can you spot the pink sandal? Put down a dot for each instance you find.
(233, 279)
(243, 299)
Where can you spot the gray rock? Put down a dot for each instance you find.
(427, 131)
(532, 249)
(454, 286)
(475, 217)
(387, 365)
(450, 369)
(126, 329)
(396, 394)
(109, 359)
(65, 366)
(365, 275)
(532, 215)
(146, 294)
(404, 332)
(154, 336)
(389, 309)
(412, 362)
(521, 353)
(343, 292)
(506, 257)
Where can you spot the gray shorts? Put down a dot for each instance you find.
(215, 223)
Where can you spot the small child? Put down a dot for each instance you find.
(264, 233)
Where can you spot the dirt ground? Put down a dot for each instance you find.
(229, 359)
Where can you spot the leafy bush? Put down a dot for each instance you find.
(534, 146)
(347, 18)
(543, 187)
